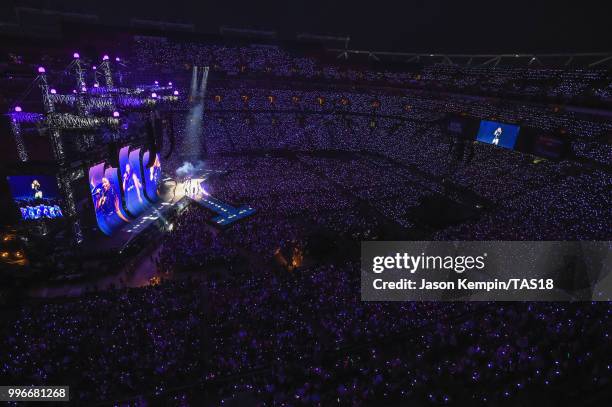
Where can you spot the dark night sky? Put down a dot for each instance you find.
(409, 25)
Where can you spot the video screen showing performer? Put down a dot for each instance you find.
(36, 196)
(106, 198)
(498, 134)
(131, 181)
(153, 176)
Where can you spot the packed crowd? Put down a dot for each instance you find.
(305, 338)
(191, 242)
(306, 118)
(536, 82)
(392, 175)
(339, 168)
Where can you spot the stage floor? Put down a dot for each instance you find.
(227, 214)
(156, 215)
(176, 197)
(195, 189)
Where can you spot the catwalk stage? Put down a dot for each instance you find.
(156, 219)
(225, 214)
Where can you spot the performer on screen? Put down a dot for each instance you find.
(496, 136)
(131, 181)
(155, 174)
(155, 171)
(38, 194)
(107, 200)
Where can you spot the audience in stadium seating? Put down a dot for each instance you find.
(228, 323)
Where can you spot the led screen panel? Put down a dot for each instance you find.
(152, 176)
(131, 181)
(105, 193)
(36, 196)
(548, 146)
(498, 134)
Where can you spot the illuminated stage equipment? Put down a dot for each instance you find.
(88, 109)
(194, 188)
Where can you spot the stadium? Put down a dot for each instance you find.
(203, 208)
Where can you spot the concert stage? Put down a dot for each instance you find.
(194, 188)
(227, 213)
(158, 218)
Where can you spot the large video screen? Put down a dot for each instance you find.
(124, 154)
(36, 196)
(498, 134)
(131, 181)
(548, 146)
(105, 193)
(152, 176)
(112, 175)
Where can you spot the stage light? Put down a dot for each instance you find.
(169, 83)
(96, 85)
(53, 91)
(117, 59)
(153, 95)
(105, 58)
(73, 90)
(41, 69)
(5, 254)
(115, 114)
(18, 108)
(76, 55)
(175, 93)
(93, 67)
(156, 83)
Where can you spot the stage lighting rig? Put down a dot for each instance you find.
(90, 111)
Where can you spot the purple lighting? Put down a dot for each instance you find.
(18, 108)
(41, 69)
(153, 95)
(53, 91)
(83, 89)
(117, 59)
(76, 55)
(157, 83)
(96, 85)
(105, 58)
(169, 83)
(73, 90)
(175, 92)
(115, 114)
(94, 68)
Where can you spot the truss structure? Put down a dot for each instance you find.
(584, 60)
(92, 109)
